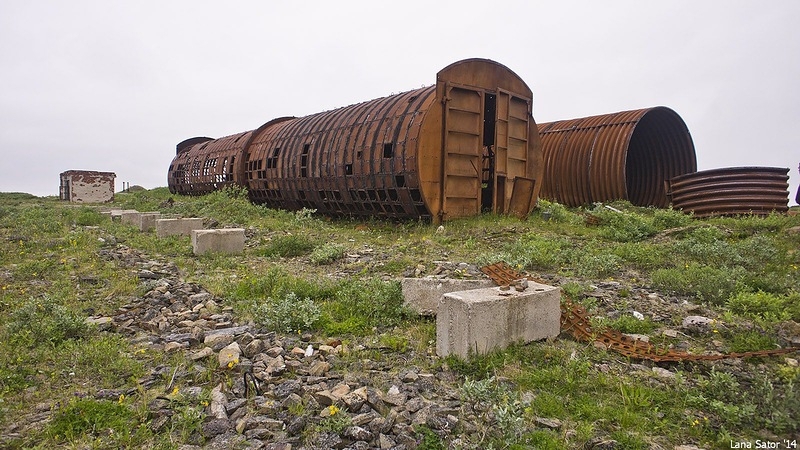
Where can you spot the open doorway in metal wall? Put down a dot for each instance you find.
(488, 181)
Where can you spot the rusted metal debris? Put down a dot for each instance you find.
(575, 320)
(731, 191)
(626, 155)
(453, 149)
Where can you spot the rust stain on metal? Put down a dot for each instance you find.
(449, 150)
(575, 320)
(731, 191)
(626, 155)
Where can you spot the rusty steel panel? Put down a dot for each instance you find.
(521, 196)
(463, 143)
(731, 191)
(626, 155)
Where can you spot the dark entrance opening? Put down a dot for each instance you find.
(487, 172)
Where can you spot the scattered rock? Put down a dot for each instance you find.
(229, 356)
(549, 423)
(663, 373)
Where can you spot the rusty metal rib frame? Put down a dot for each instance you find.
(575, 320)
(731, 191)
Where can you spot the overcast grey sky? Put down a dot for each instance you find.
(113, 86)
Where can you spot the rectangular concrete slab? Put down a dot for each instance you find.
(422, 294)
(222, 240)
(116, 214)
(130, 217)
(147, 220)
(182, 227)
(483, 320)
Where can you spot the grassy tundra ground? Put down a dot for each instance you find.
(336, 278)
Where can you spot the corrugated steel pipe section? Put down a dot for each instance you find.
(627, 155)
(357, 160)
(731, 191)
(203, 165)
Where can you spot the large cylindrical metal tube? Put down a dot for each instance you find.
(462, 146)
(627, 155)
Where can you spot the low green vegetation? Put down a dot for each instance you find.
(337, 279)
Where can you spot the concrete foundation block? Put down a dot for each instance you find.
(116, 214)
(422, 294)
(130, 217)
(223, 240)
(483, 320)
(147, 220)
(182, 227)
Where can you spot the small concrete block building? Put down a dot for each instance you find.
(483, 320)
(87, 186)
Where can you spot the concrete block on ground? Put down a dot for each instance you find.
(130, 217)
(222, 240)
(484, 320)
(116, 214)
(182, 227)
(422, 294)
(147, 220)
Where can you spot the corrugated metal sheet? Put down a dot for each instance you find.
(731, 191)
(626, 155)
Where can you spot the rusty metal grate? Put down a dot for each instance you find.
(575, 321)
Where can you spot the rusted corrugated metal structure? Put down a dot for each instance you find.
(87, 186)
(465, 145)
(731, 191)
(626, 155)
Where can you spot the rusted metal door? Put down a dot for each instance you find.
(511, 144)
(463, 137)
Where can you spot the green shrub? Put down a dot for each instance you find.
(287, 246)
(764, 306)
(88, 217)
(89, 417)
(623, 227)
(642, 255)
(629, 324)
(358, 306)
(558, 212)
(43, 321)
(750, 341)
(286, 314)
(710, 284)
(573, 291)
(670, 218)
(596, 264)
(326, 253)
(276, 283)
